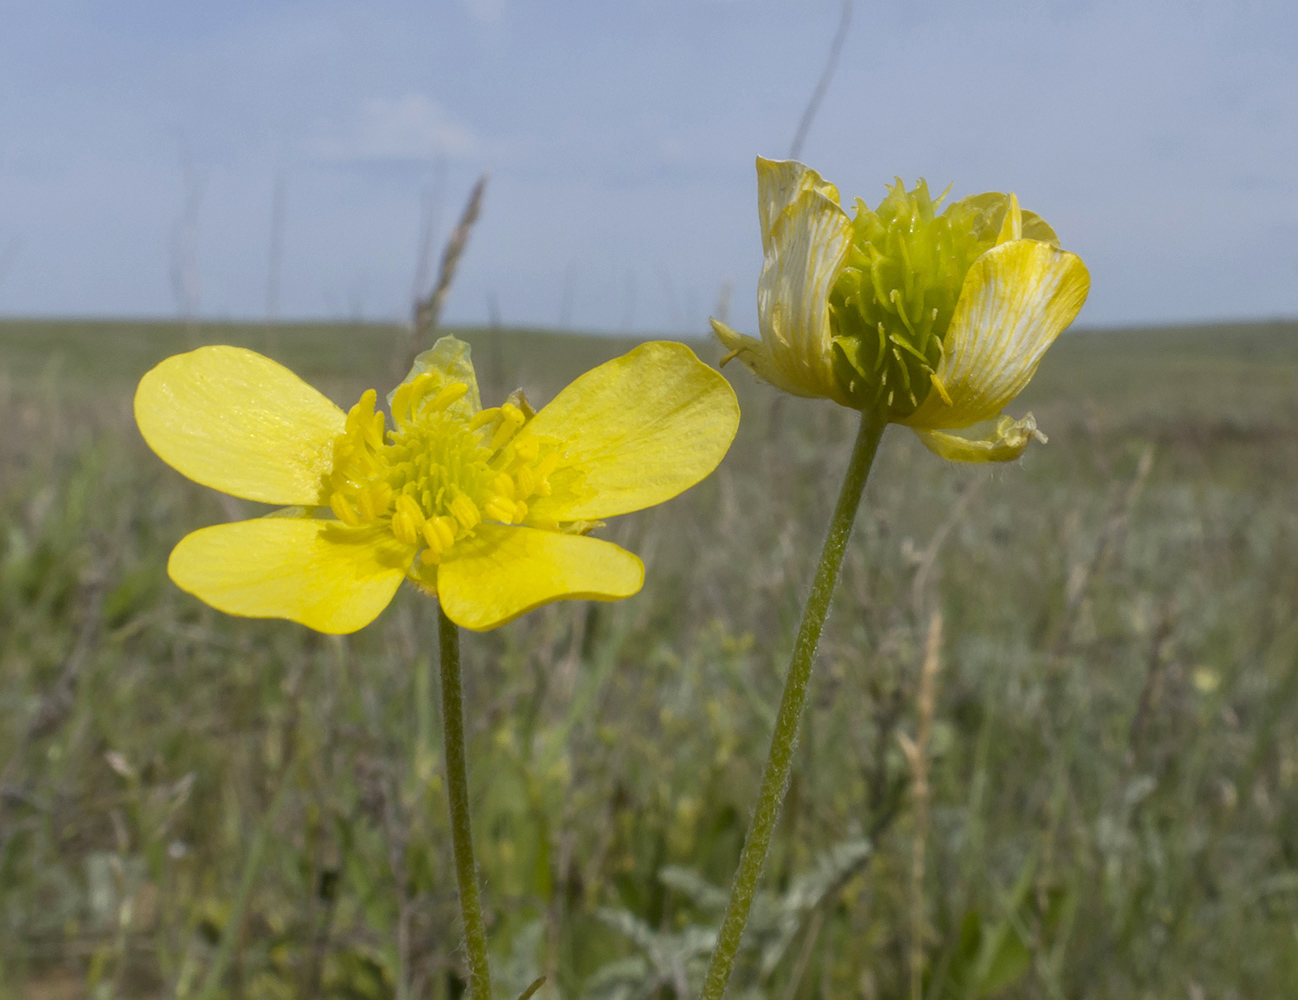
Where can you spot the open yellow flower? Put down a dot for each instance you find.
(489, 509)
(935, 321)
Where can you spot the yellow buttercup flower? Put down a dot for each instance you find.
(489, 509)
(935, 321)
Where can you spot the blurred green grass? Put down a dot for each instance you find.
(1115, 772)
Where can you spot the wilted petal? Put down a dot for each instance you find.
(1006, 442)
(755, 354)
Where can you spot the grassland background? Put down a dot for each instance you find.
(1114, 758)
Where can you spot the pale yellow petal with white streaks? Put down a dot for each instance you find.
(806, 236)
(780, 184)
(1016, 299)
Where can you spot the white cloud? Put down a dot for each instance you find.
(413, 127)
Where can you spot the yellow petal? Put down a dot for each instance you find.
(1016, 299)
(326, 577)
(1005, 442)
(238, 422)
(503, 572)
(806, 236)
(634, 432)
(449, 360)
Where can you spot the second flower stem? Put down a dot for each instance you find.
(457, 790)
(775, 778)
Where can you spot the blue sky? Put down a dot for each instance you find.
(1160, 139)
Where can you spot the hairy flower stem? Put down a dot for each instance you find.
(775, 778)
(457, 790)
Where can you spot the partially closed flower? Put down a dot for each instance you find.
(489, 509)
(932, 320)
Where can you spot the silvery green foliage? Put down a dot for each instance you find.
(514, 972)
(677, 960)
(674, 961)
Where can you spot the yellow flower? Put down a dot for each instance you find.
(935, 321)
(489, 509)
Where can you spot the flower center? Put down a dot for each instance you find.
(441, 472)
(892, 302)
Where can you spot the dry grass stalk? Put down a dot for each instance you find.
(827, 74)
(916, 751)
(428, 311)
(1081, 575)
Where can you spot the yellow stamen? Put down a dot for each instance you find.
(359, 414)
(374, 431)
(404, 528)
(483, 417)
(407, 506)
(543, 470)
(439, 532)
(511, 419)
(941, 389)
(500, 509)
(419, 387)
(451, 394)
(466, 512)
(339, 505)
(401, 403)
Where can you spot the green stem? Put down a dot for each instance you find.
(775, 778)
(457, 791)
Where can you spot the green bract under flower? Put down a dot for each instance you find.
(930, 318)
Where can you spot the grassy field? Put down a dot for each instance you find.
(1113, 755)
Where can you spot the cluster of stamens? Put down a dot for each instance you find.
(440, 472)
(894, 298)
